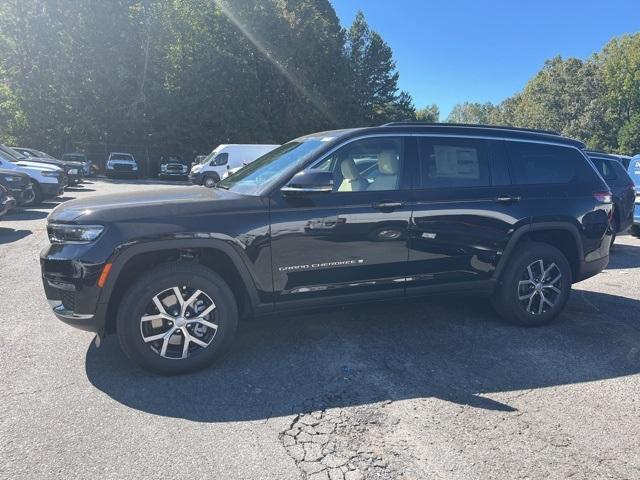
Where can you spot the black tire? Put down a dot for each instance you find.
(635, 230)
(614, 230)
(139, 297)
(210, 180)
(37, 194)
(506, 297)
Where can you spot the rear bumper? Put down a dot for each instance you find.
(589, 269)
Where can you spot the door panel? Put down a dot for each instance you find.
(462, 219)
(342, 242)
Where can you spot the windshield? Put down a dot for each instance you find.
(121, 156)
(256, 177)
(13, 155)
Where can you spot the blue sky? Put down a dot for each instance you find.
(451, 51)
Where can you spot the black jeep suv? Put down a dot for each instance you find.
(391, 212)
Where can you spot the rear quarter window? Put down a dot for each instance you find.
(606, 168)
(534, 164)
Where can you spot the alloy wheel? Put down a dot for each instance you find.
(540, 287)
(179, 322)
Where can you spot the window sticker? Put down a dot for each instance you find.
(456, 162)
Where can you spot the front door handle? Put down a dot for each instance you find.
(387, 205)
(507, 199)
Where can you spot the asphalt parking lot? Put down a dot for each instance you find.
(434, 389)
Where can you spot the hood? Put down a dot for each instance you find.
(196, 168)
(37, 165)
(142, 207)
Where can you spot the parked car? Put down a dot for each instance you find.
(33, 153)
(622, 188)
(223, 158)
(516, 215)
(87, 165)
(47, 181)
(74, 170)
(7, 202)
(19, 186)
(634, 173)
(121, 165)
(199, 159)
(174, 166)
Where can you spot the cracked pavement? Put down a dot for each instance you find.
(437, 389)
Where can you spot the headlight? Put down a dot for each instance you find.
(59, 233)
(637, 197)
(73, 171)
(49, 173)
(109, 165)
(11, 179)
(135, 167)
(163, 167)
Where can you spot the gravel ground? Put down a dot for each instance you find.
(439, 389)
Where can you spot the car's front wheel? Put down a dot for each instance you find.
(211, 180)
(535, 285)
(37, 197)
(177, 318)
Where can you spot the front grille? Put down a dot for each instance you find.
(122, 168)
(68, 300)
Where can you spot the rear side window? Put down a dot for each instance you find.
(533, 163)
(454, 162)
(606, 168)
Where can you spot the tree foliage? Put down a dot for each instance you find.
(188, 72)
(597, 100)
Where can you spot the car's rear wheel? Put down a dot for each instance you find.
(535, 285)
(635, 230)
(211, 180)
(177, 318)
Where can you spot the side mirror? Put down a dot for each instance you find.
(309, 182)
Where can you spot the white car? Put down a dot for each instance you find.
(121, 164)
(46, 180)
(224, 158)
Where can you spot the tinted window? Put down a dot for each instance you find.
(605, 167)
(534, 163)
(454, 162)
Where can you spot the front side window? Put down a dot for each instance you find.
(372, 164)
(220, 159)
(454, 162)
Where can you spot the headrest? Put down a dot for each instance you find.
(349, 169)
(388, 162)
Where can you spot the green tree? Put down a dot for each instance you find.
(430, 113)
(470, 112)
(629, 136)
(374, 80)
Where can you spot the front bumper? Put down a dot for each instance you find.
(70, 286)
(195, 178)
(7, 204)
(52, 189)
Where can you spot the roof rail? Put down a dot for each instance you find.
(476, 125)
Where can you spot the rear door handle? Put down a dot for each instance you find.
(387, 205)
(507, 199)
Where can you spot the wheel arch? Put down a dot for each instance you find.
(217, 255)
(562, 235)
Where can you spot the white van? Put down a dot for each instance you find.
(223, 158)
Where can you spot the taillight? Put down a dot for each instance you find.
(602, 197)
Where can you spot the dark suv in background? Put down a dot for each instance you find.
(359, 215)
(614, 172)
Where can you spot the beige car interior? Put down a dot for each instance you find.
(353, 181)
(388, 164)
